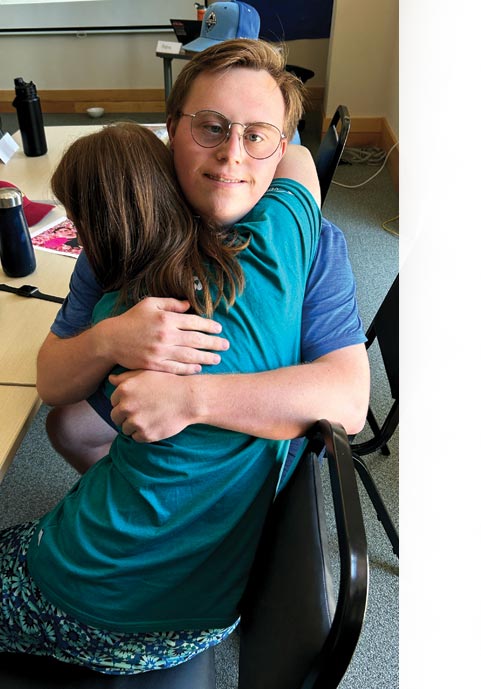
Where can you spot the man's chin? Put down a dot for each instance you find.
(223, 216)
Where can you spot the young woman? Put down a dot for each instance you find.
(144, 561)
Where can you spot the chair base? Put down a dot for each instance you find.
(377, 501)
(22, 671)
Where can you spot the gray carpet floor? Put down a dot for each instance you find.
(38, 477)
(373, 251)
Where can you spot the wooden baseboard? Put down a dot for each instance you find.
(388, 140)
(77, 101)
(117, 100)
(373, 131)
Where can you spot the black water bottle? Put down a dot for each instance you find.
(16, 251)
(30, 119)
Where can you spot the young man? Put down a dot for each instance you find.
(237, 83)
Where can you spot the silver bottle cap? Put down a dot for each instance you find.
(10, 197)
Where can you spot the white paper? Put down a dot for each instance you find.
(168, 47)
(7, 148)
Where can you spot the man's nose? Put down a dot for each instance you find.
(233, 145)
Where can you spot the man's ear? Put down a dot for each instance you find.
(171, 127)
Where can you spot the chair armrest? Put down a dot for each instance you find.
(335, 656)
(293, 634)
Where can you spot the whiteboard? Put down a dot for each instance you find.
(97, 16)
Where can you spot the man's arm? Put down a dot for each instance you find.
(155, 334)
(275, 404)
(298, 164)
(281, 403)
(285, 403)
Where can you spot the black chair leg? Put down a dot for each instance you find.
(377, 501)
(371, 419)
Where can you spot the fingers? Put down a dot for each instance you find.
(185, 321)
(153, 338)
(190, 321)
(174, 328)
(169, 304)
(199, 341)
(132, 431)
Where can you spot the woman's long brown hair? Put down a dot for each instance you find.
(119, 188)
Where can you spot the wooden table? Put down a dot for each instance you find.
(18, 406)
(24, 323)
(32, 175)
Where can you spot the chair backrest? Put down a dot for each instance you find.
(331, 147)
(293, 634)
(303, 73)
(385, 328)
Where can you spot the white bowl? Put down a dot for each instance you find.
(95, 112)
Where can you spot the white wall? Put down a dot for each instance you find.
(110, 61)
(113, 61)
(363, 65)
(358, 65)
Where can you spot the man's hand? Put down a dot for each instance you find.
(157, 335)
(149, 405)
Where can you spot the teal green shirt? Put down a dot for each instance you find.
(161, 536)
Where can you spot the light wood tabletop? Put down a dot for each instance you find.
(25, 322)
(18, 406)
(32, 175)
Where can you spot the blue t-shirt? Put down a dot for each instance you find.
(161, 536)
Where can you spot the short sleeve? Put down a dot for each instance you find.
(330, 315)
(75, 315)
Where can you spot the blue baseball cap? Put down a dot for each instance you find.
(225, 20)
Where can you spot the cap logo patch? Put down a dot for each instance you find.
(211, 21)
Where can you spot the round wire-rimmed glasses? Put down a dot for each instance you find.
(210, 129)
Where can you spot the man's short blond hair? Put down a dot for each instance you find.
(251, 54)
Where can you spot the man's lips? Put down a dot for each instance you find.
(224, 179)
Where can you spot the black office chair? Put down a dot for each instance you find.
(331, 147)
(385, 329)
(19, 671)
(295, 633)
(304, 74)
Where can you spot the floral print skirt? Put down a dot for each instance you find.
(30, 624)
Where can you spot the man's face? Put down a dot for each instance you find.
(224, 183)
